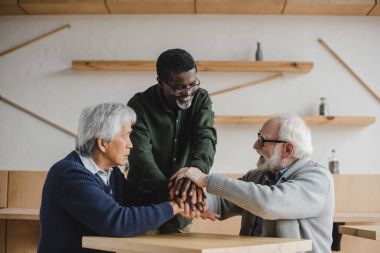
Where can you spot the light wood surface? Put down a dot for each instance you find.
(217, 66)
(193, 243)
(329, 7)
(357, 193)
(365, 231)
(312, 120)
(150, 6)
(10, 7)
(22, 236)
(240, 6)
(3, 188)
(357, 217)
(19, 214)
(36, 7)
(25, 188)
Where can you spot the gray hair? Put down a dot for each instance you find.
(294, 130)
(101, 121)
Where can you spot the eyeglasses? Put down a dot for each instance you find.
(262, 140)
(185, 91)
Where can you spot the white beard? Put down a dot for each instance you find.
(272, 162)
(184, 106)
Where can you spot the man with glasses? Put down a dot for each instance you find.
(289, 195)
(174, 129)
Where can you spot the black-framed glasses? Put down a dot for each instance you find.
(262, 140)
(190, 90)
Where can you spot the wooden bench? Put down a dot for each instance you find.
(20, 201)
(357, 200)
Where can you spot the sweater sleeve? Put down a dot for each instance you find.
(204, 136)
(81, 196)
(303, 196)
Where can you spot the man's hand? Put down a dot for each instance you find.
(192, 173)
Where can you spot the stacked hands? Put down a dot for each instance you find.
(185, 189)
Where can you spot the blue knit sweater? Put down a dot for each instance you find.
(75, 203)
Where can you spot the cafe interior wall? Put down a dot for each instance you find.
(39, 77)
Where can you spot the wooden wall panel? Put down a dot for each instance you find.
(240, 6)
(150, 6)
(25, 188)
(329, 7)
(22, 236)
(10, 7)
(3, 188)
(2, 236)
(357, 193)
(64, 6)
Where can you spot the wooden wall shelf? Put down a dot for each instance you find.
(217, 66)
(311, 120)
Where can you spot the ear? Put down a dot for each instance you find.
(102, 144)
(289, 149)
(159, 82)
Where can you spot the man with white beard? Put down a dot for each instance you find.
(287, 196)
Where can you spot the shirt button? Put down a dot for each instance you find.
(174, 159)
(175, 140)
(177, 121)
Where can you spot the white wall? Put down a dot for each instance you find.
(40, 78)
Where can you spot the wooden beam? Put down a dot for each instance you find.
(240, 6)
(35, 115)
(245, 85)
(34, 40)
(151, 6)
(312, 120)
(217, 66)
(352, 72)
(36, 7)
(329, 7)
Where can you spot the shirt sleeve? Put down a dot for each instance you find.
(204, 136)
(81, 196)
(303, 196)
(225, 208)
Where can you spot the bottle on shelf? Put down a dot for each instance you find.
(323, 108)
(333, 163)
(259, 53)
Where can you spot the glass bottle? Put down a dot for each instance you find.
(323, 108)
(333, 163)
(259, 53)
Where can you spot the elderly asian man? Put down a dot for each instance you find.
(86, 194)
(287, 196)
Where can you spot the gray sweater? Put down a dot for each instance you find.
(300, 205)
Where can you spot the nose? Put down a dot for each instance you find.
(129, 144)
(256, 145)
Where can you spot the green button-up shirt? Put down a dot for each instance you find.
(165, 140)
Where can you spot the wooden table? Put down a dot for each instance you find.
(197, 243)
(364, 231)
